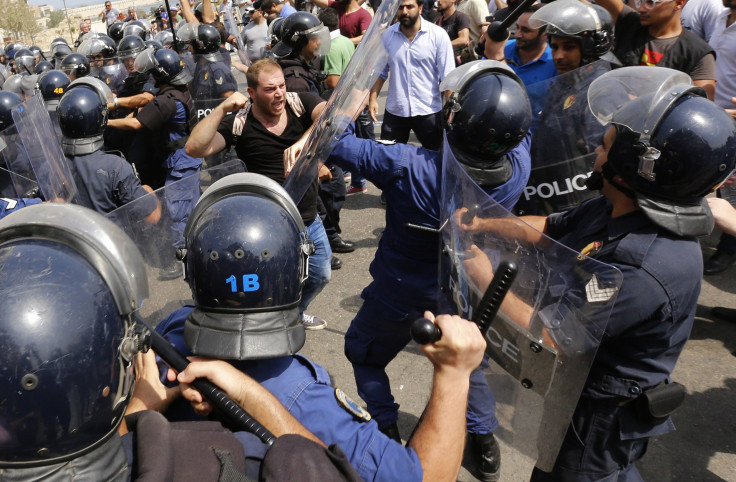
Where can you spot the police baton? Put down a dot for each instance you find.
(424, 331)
(498, 31)
(235, 414)
(171, 26)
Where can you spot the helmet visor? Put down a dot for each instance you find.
(322, 35)
(636, 97)
(568, 16)
(145, 61)
(188, 32)
(91, 47)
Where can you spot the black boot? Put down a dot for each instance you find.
(486, 452)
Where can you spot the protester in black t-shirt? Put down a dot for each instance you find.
(455, 23)
(275, 121)
(653, 35)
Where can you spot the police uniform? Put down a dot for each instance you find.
(166, 121)
(211, 80)
(122, 140)
(9, 206)
(566, 132)
(304, 388)
(106, 182)
(646, 332)
(404, 269)
(114, 79)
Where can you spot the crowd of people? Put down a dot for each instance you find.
(604, 126)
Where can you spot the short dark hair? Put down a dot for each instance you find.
(329, 17)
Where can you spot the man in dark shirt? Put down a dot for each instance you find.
(262, 130)
(354, 19)
(653, 35)
(455, 23)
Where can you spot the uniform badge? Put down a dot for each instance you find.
(218, 81)
(107, 80)
(349, 405)
(569, 102)
(590, 250)
(595, 292)
(206, 75)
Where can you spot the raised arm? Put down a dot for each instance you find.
(439, 439)
(204, 139)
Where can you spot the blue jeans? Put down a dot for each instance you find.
(319, 264)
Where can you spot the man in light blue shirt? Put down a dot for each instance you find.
(278, 8)
(420, 56)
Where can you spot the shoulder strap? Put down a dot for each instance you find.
(239, 122)
(295, 102)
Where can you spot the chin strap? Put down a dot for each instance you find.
(501, 172)
(609, 174)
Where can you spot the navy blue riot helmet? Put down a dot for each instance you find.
(137, 28)
(165, 66)
(75, 66)
(207, 40)
(130, 46)
(116, 31)
(8, 100)
(53, 85)
(82, 115)
(43, 66)
(246, 261)
(487, 115)
(672, 146)
(70, 281)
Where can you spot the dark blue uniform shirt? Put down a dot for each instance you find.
(304, 388)
(655, 307)
(410, 177)
(106, 182)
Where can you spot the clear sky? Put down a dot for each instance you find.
(59, 5)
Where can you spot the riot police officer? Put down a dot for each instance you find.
(212, 78)
(52, 85)
(486, 122)
(665, 149)
(75, 66)
(163, 127)
(138, 89)
(581, 37)
(105, 181)
(77, 280)
(103, 65)
(304, 40)
(253, 320)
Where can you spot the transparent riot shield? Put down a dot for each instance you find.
(14, 185)
(42, 158)
(347, 101)
(159, 242)
(232, 27)
(543, 340)
(565, 134)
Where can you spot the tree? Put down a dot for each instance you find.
(55, 18)
(18, 19)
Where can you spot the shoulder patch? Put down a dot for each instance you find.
(595, 292)
(350, 406)
(9, 203)
(386, 142)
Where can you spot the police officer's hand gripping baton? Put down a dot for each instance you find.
(424, 331)
(239, 418)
